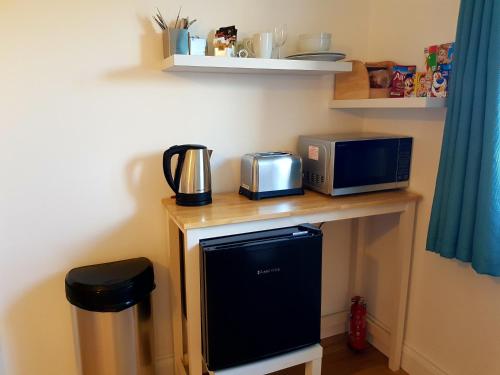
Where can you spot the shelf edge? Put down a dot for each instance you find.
(388, 103)
(178, 63)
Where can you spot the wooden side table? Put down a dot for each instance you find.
(230, 214)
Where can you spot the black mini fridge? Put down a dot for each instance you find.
(261, 294)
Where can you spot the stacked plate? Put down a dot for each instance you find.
(316, 47)
(318, 56)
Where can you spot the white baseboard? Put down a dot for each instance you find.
(165, 365)
(379, 334)
(336, 323)
(333, 324)
(412, 361)
(416, 363)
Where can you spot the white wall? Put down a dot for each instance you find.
(86, 115)
(453, 319)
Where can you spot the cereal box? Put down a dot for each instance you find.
(445, 56)
(409, 84)
(431, 58)
(420, 84)
(398, 84)
(440, 80)
(438, 62)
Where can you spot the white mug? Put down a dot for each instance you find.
(261, 45)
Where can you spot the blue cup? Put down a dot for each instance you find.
(175, 41)
(182, 42)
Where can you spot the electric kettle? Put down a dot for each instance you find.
(192, 180)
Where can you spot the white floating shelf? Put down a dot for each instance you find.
(390, 103)
(212, 64)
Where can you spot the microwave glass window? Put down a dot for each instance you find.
(369, 162)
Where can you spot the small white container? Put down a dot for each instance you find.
(317, 42)
(197, 46)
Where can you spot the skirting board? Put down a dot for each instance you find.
(331, 325)
(379, 334)
(413, 362)
(335, 324)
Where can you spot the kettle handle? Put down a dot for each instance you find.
(173, 181)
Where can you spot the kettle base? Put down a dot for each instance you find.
(198, 199)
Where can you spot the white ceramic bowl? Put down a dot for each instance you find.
(317, 42)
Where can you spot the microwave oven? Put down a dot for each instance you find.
(340, 164)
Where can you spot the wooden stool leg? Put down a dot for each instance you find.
(313, 367)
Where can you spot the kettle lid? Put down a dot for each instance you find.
(193, 147)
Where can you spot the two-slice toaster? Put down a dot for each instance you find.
(270, 174)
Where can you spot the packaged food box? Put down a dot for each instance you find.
(438, 63)
(445, 56)
(409, 83)
(440, 82)
(399, 73)
(431, 58)
(421, 84)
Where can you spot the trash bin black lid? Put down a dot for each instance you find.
(110, 287)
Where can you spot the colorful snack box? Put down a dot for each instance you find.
(399, 73)
(445, 56)
(409, 83)
(438, 59)
(420, 84)
(428, 82)
(431, 58)
(440, 81)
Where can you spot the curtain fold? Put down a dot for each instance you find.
(465, 219)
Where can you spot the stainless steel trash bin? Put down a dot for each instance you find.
(112, 317)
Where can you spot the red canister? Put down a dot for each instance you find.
(357, 324)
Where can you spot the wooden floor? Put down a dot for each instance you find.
(338, 359)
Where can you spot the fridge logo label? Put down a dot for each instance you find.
(268, 271)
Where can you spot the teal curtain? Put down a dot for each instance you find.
(465, 219)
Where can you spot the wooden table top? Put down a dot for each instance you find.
(231, 208)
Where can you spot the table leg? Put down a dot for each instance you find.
(358, 257)
(193, 308)
(404, 254)
(313, 367)
(175, 288)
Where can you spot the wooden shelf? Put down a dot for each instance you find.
(212, 64)
(390, 103)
